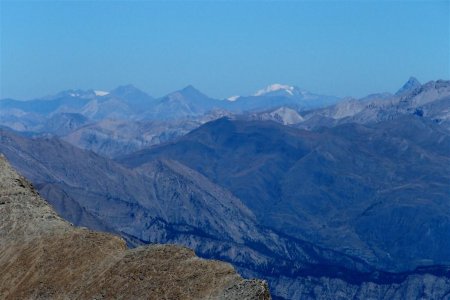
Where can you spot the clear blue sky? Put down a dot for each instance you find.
(221, 47)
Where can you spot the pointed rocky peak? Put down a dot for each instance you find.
(125, 91)
(411, 85)
(413, 81)
(191, 91)
(188, 93)
(132, 96)
(190, 88)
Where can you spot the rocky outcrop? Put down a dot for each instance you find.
(430, 100)
(43, 256)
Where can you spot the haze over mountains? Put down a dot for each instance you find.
(128, 102)
(348, 200)
(87, 118)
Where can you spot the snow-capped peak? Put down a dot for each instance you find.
(233, 98)
(275, 87)
(101, 93)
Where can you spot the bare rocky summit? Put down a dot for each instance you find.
(42, 256)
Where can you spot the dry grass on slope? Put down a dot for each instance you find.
(44, 257)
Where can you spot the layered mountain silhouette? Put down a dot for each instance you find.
(87, 118)
(129, 103)
(341, 187)
(165, 201)
(349, 200)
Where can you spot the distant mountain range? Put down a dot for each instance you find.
(350, 200)
(129, 103)
(87, 118)
(84, 118)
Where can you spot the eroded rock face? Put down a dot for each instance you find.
(43, 256)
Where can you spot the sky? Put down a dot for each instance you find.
(223, 48)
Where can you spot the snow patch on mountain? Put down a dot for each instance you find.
(275, 87)
(233, 98)
(101, 93)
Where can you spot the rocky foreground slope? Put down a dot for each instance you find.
(43, 256)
